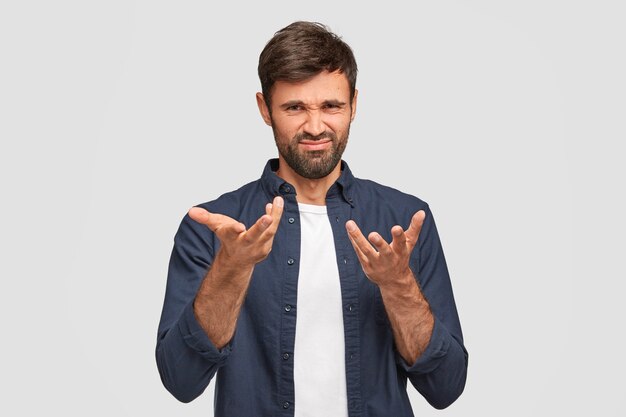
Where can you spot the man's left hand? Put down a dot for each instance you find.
(382, 262)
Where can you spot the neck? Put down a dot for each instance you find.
(308, 191)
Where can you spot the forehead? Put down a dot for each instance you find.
(319, 88)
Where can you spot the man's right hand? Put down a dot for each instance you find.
(246, 247)
(222, 292)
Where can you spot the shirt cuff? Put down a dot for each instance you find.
(436, 350)
(196, 338)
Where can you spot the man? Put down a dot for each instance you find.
(275, 287)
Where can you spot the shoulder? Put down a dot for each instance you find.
(241, 204)
(233, 202)
(370, 192)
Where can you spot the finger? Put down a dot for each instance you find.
(230, 230)
(199, 214)
(363, 259)
(276, 212)
(358, 251)
(358, 240)
(211, 220)
(398, 241)
(269, 221)
(258, 228)
(413, 232)
(379, 243)
(215, 221)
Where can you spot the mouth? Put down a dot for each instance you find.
(315, 145)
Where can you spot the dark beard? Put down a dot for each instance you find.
(313, 164)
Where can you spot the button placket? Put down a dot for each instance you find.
(288, 257)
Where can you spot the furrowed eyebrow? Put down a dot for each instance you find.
(334, 103)
(290, 103)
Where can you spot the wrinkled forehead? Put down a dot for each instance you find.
(322, 87)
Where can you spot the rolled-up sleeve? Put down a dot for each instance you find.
(186, 358)
(439, 373)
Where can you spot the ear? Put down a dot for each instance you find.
(356, 93)
(265, 112)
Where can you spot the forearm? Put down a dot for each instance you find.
(423, 315)
(409, 315)
(186, 358)
(220, 297)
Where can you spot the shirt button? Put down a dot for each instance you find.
(290, 261)
(350, 307)
(286, 189)
(285, 356)
(287, 308)
(286, 405)
(291, 220)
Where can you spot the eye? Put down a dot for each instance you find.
(332, 106)
(295, 107)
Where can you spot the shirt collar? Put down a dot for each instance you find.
(274, 185)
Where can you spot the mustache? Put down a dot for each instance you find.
(306, 136)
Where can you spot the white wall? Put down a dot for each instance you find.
(507, 117)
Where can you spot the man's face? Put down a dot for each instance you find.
(311, 122)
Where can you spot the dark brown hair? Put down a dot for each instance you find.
(301, 51)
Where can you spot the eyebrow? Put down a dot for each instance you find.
(335, 103)
(290, 103)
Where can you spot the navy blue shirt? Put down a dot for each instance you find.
(255, 369)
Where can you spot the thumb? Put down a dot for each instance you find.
(199, 215)
(215, 221)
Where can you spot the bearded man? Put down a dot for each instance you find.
(274, 287)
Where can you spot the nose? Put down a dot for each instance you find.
(314, 123)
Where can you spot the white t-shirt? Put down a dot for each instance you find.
(319, 352)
